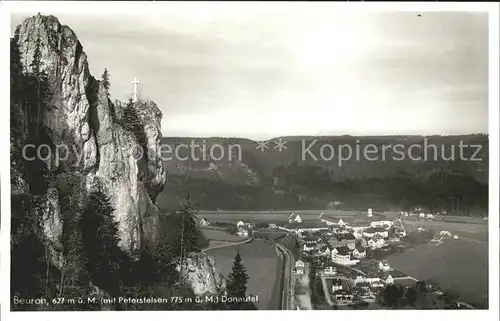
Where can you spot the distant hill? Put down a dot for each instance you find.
(252, 178)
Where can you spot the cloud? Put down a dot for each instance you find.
(296, 70)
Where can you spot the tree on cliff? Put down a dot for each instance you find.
(74, 262)
(237, 281)
(105, 80)
(188, 237)
(131, 121)
(100, 239)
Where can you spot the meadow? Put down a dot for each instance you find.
(474, 230)
(459, 266)
(219, 235)
(272, 216)
(261, 262)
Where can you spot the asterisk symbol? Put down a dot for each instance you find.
(280, 144)
(262, 145)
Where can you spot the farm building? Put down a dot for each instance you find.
(329, 270)
(384, 266)
(336, 285)
(387, 278)
(242, 232)
(203, 222)
(294, 218)
(359, 252)
(343, 297)
(381, 223)
(308, 226)
(299, 267)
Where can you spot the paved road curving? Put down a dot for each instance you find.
(228, 244)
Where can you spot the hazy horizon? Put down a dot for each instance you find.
(261, 73)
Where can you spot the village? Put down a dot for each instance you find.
(347, 258)
(342, 261)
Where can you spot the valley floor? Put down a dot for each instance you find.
(260, 260)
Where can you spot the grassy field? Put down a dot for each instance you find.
(477, 231)
(219, 235)
(271, 216)
(261, 261)
(460, 265)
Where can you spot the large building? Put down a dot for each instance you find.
(307, 226)
(347, 239)
(342, 256)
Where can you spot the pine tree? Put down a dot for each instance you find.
(105, 80)
(100, 238)
(188, 237)
(71, 195)
(132, 122)
(35, 63)
(237, 283)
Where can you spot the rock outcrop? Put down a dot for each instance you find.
(200, 273)
(84, 115)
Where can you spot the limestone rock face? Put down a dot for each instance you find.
(84, 115)
(201, 274)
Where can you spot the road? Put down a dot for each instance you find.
(287, 290)
(228, 244)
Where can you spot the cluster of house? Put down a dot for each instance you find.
(244, 229)
(377, 277)
(341, 294)
(340, 242)
(383, 274)
(417, 214)
(337, 245)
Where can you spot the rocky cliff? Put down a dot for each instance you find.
(200, 272)
(85, 116)
(110, 155)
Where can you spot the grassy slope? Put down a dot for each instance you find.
(460, 265)
(260, 260)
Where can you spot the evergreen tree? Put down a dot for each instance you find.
(237, 283)
(131, 121)
(411, 296)
(105, 80)
(421, 290)
(100, 238)
(392, 295)
(35, 63)
(71, 195)
(188, 237)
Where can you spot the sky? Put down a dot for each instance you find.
(260, 72)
